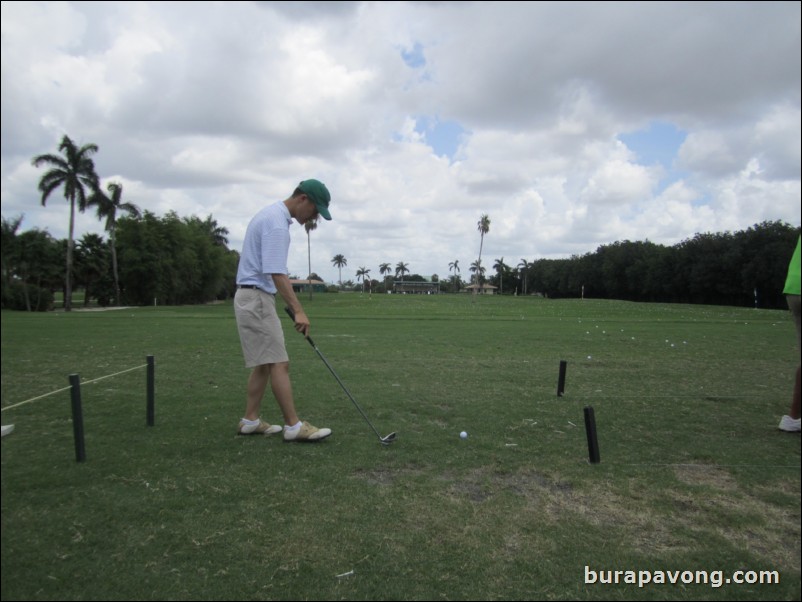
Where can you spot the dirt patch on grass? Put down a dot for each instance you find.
(707, 503)
(746, 518)
(701, 474)
(384, 476)
(655, 520)
(376, 477)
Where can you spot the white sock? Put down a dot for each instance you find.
(294, 427)
(250, 422)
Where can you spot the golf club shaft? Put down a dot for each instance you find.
(347, 392)
(344, 388)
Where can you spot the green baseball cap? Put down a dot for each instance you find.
(318, 194)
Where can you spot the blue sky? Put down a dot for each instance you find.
(443, 137)
(658, 143)
(414, 57)
(571, 125)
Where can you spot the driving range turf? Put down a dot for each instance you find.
(694, 475)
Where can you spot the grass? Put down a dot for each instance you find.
(693, 473)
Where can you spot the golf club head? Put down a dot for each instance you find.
(388, 439)
(384, 440)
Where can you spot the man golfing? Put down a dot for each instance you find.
(262, 273)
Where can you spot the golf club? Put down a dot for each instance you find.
(384, 440)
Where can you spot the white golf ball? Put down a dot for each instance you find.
(463, 435)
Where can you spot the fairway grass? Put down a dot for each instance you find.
(694, 475)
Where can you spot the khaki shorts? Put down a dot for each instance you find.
(260, 331)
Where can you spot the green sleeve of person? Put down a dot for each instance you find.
(792, 280)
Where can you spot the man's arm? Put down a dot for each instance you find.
(284, 288)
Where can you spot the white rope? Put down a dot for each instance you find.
(88, 382)
(681, 465)
(34, 399)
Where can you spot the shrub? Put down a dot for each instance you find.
(13, 297)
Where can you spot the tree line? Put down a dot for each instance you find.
(170, 260)
(184, 260)
(743, 268)
(166, 260)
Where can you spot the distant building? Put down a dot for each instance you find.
(416, 288)
(484, 289)
(302, 286)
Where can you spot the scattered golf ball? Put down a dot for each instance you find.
(463, 435)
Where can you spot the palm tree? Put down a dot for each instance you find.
(75, 171)
(219, 234)
(479, 272)
(385, 269)
(339, 261)
(91, 263)
(401, 268)
(109, 207)
(454, 265)
(362, 274)
(483, 225)
(499, 266)
(523, 267)
(309, 226)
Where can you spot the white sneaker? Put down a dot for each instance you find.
(262, 428)
(305, 432)
(790, 425)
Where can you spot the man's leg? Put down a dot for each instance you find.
(792, 422)
(257, 383)
(279, 376)
(795, 399)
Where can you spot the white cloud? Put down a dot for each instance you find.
(778, 142)
(219, 108)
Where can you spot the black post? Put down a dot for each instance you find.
(77, 418)
(151, 391)
(590, 430)
(561, 381)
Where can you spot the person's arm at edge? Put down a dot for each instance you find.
(284, 288)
